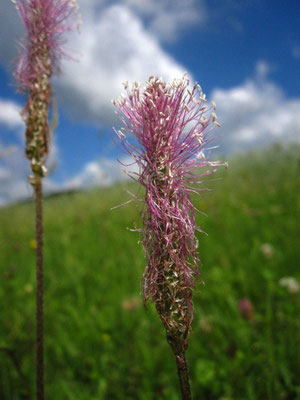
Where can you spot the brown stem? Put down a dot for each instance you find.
(39, 288)
(13, 358)
(179, 347)
(183, 375)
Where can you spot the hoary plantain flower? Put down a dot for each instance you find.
(46, 22)
(171, 125)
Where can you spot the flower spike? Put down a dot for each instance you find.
(46, 21)
(171, 124)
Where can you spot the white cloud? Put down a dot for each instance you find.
(10, 114)
(10, 31)
(14, 167)
(102, 172)
(14, 170)
(117, 43)
(252, 114)
(256, 113)
(163, 18)
(93, 174)
(115, 48)
(166, 19)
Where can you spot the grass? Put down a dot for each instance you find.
(100, 341)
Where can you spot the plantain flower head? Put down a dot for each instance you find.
(171, 125)
(46, 22)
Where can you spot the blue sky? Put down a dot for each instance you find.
(245, 54)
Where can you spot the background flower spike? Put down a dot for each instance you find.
(46, 22)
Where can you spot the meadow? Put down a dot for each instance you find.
(100, 341)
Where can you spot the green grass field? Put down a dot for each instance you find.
(101, 343)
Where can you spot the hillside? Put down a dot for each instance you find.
(101, 343)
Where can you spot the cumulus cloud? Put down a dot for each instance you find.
(256, 113)
(14, 167)
(121, 41)
(13, 174)
(102, 172)
(93, 174)
(253, 114)
(164, 19)
(168, 18)
(10, 32)
(115, 47)
(117, 43)
(10, 114)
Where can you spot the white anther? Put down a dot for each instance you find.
(201, 155)
(152, 102)
(121, 134)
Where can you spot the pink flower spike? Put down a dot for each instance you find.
(170, 124)
(46, 21)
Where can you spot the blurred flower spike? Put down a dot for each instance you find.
(170, 123)
(246, 309)
(46, 21)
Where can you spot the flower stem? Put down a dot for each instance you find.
(179, 347)
(183, 375)
(39, 289)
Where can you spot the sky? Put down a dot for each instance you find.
(245, 55)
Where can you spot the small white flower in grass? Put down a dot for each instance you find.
(267, 249)
(290, 283)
